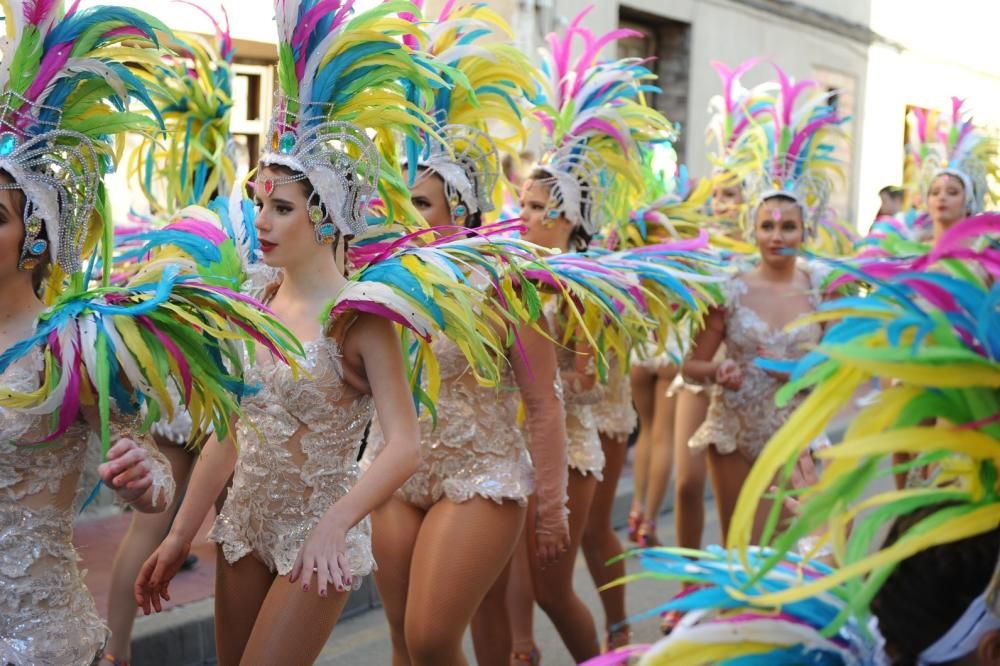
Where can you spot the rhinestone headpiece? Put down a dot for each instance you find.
(338, 158)
(576, 185)
(469, 164)
(58, 171)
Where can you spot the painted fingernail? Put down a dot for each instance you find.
(322, 593)
(305, 588)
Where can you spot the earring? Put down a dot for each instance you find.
(325, 231)
(34, 247)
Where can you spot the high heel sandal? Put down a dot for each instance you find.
(531, 658)
(634, 522)
(646, 536)
(617, 638)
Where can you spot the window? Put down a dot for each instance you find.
(253, 96)
(669, 42)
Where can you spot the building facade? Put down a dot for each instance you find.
(880, 56)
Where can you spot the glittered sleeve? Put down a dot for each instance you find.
(545, 421)
(162, 490)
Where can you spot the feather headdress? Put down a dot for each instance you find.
(951, 145)
(735, 129)
(192, 162)
(344, 78)
(66, 80)
(479, 110)
(593, 116)
(795, 157)
(671, 205)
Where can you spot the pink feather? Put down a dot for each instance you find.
(602, 126)
(306, 25)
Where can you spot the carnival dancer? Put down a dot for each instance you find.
(592, 115)
(83, 365)
(925, 331)
(289, 556)
(790, 191)
(460, 515)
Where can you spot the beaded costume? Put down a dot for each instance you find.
(98, 353)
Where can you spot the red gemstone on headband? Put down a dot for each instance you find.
(268, 186)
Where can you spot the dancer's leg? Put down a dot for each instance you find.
(554, 585)
(395, 526)
(458, 555)
(293, 624)
(240, 590)
(661, 455)
(643, 387)
(600, 543)
(690, 470)
(145, 533)
(521, 593)
(491, 631)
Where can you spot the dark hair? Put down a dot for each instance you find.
(472, 220)
(579, 239)
(927, 592)
(891, 191)
(19, 201)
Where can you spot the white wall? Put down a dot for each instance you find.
(732, 34)
(946, 52)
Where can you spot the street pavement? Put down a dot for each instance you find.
(364, 640)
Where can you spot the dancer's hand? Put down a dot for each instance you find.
(550, 544)
(128, 470)
(323, 555)
(729, 375)
(153, 580)
(804, 475)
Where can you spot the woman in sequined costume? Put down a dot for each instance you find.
(444, 540)
(296, 518)
(552, 587)
(48, 614)
(788, 189)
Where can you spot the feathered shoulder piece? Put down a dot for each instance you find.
(613, 301)
(593, 114)
(479, 111)
(178, 328)
(344, 78)
(472, 287)
(726, 621)
(192, 162)
(951, 144)
(67, 78)
(929, 333)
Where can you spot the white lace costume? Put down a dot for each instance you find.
(47, 615)
(298, 446)
(477, 449)
(745, 419)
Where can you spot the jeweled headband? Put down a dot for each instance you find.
(338, 159)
